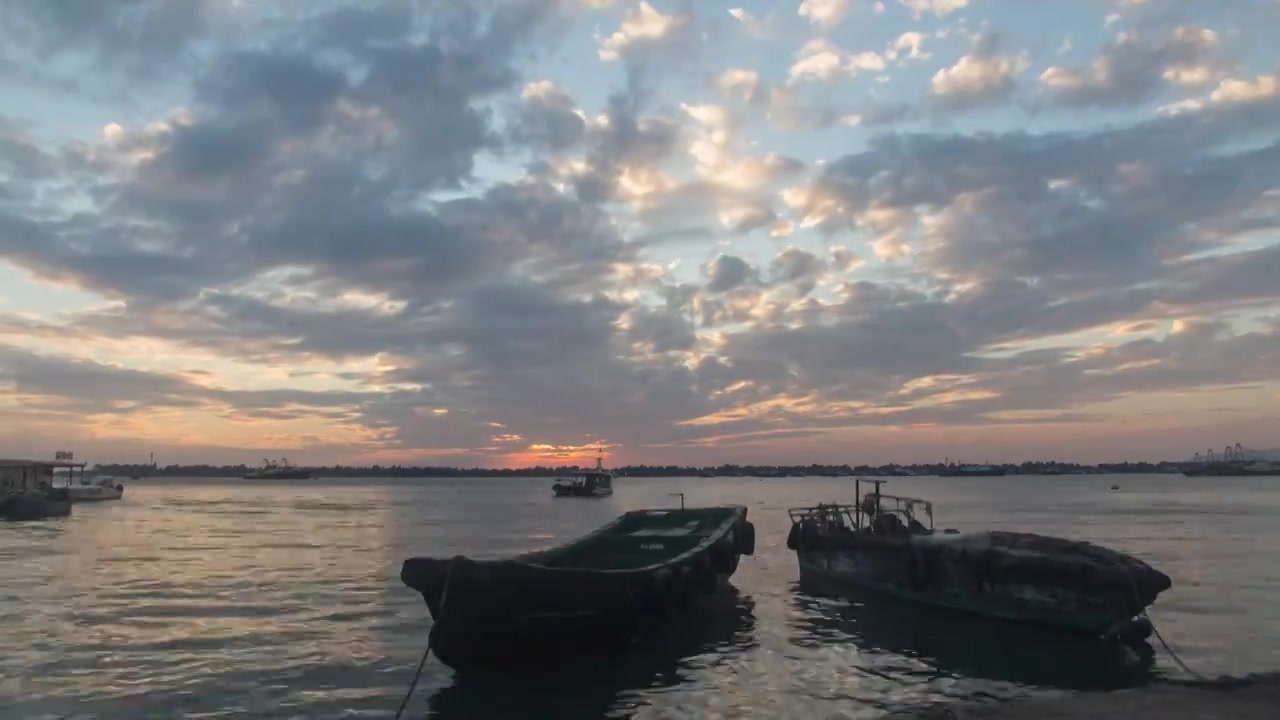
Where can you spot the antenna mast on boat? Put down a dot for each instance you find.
(600, 456)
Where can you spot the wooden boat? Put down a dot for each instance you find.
(27, 491)
(596, 593)
(880, 543)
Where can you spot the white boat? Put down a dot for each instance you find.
(98, 487)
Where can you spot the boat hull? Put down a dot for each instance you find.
(571, 491)
(34, 506)
(96, 493)
(1072, 593)
(502, 613)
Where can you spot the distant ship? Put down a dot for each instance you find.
(1234, 463)
(1234, 468)
(282, 470)
(972, 471)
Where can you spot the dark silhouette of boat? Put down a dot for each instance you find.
(594, 483)
(27, 491)
(952, 644)
(714, 631)
(596, 593)
(282, 470)
(881, 544)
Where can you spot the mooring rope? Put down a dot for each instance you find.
(1145, 613)
(1185, 668)
(444, 596)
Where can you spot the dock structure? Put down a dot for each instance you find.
(1255, 697)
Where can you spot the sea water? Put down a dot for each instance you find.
(205, 598)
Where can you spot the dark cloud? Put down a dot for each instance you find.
(1075, 213)
(20, 157)
(548, 120)
(727, 272)
(1131, 69)
(136, 32)
(797, 267)
(628, 138)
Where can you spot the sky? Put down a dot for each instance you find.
(497, 233)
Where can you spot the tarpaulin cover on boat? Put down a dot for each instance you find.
(1009, 557)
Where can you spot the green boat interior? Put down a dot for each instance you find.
(639, 539)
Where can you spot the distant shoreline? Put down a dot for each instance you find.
(746, 471)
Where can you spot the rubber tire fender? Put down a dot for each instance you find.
(793, 537)
(746, 538)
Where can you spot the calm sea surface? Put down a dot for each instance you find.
(222, 598)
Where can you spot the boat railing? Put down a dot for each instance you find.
(870, 511)
(826, 514)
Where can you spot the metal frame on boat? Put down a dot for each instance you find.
(872, 506)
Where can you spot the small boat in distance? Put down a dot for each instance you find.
(881, 543)
(586, 483)
(98, 487)
(597, 593)
(282, 470)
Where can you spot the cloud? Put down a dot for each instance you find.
(405, 232)
(1260, 90)
(1130, 70)
(20, 156)
(820, 60)
(727, 272)
(641, 27)
(140, 34)
(940, 8)
(548, 119)
(739, 83)
(981, 77)
(824, 13)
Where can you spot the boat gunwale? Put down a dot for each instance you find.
(738, 514)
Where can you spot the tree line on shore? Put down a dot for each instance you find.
(726, 470)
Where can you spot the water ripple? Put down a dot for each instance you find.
(228, 599)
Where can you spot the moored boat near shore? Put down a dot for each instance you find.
(27, 491)
(98, 487)
(594, 594)
(882, 543)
